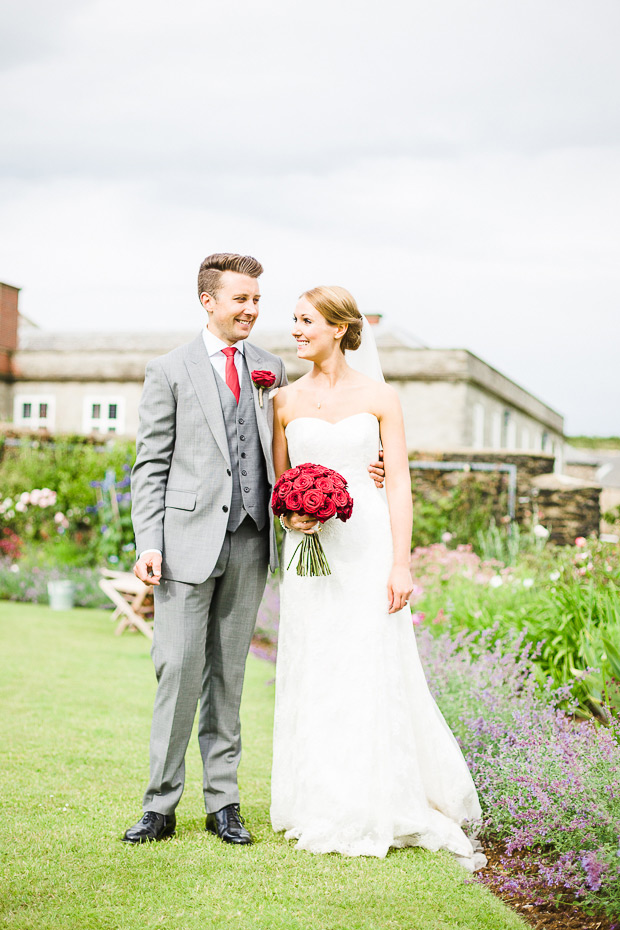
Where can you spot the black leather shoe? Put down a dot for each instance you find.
(153, 826)
(229, 826)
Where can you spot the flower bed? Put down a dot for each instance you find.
(549, 784)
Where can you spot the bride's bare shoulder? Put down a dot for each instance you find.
(286, 396)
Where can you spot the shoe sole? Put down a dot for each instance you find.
(149, 839)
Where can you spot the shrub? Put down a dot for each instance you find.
(68, 500)
(565, 599)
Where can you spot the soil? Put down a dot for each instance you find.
(562, 916)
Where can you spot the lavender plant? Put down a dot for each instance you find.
(549, 784)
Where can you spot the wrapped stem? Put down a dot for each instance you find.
(312, 559)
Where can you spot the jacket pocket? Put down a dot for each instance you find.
(180, 500)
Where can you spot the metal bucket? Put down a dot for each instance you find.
(61, 594)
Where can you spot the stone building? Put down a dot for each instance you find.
(91, 382)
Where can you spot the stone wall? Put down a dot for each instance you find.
(568, 507)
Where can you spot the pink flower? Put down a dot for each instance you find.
(417, 618)
(580, 541)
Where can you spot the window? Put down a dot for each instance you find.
(104, 415)
(496, 430)
(35, 411)
(511, 430)
(478, 431)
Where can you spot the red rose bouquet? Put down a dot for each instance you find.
(317, 492)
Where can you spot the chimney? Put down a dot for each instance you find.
(8, 329)
(374, 318)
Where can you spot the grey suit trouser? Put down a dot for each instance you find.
(201, 638)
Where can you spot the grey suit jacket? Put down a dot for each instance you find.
(181, 483)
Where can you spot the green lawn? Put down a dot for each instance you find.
(75, 714)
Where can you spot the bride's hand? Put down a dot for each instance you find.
(300, 522)
(400, 587)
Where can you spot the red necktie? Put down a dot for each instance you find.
(232, 378)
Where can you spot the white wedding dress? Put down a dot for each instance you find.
(362, 759)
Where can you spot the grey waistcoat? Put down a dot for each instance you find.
(250, 485)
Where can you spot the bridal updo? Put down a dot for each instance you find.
(339, 308)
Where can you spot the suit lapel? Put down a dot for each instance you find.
(255, 360)
(202, 376)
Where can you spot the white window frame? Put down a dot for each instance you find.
(478, 426)
(511, 431)
(103, 423)
(35, 420)
(496, 430)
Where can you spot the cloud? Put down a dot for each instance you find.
(455, 165)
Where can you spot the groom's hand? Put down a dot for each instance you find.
(377, 471)
(148, 567)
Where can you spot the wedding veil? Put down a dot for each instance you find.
(366, 358)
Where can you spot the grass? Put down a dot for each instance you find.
(76, 704)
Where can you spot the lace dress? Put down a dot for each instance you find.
(363, 759)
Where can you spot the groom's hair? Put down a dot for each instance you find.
(209, 276)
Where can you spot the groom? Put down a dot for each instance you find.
(204, 534)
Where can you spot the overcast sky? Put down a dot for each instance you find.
(454, 163)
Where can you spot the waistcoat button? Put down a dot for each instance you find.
(244, 473)
(241, 438)
(246, 490)
(228, 472)
(225, 508)
(241, 420)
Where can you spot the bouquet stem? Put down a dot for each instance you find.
(312, 559)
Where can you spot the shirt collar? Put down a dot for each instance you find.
(214, 345)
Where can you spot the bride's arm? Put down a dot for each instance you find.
(398, 488)
(280, 447)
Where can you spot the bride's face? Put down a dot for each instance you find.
(316, 338)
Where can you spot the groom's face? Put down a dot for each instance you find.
(234, 307)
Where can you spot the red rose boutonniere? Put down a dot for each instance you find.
(262, 380)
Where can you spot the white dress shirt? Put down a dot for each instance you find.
(214, 348)
(217, 358)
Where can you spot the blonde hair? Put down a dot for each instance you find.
(339, 308)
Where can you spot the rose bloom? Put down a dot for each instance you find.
(325, 484)
(580, 542)
(340, 497)
(293, 473)
(263, 379)
(327, 511)
(313, 501)
(285, 488)
(294, 500)
(303, 483)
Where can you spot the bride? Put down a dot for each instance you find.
(363, 759)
